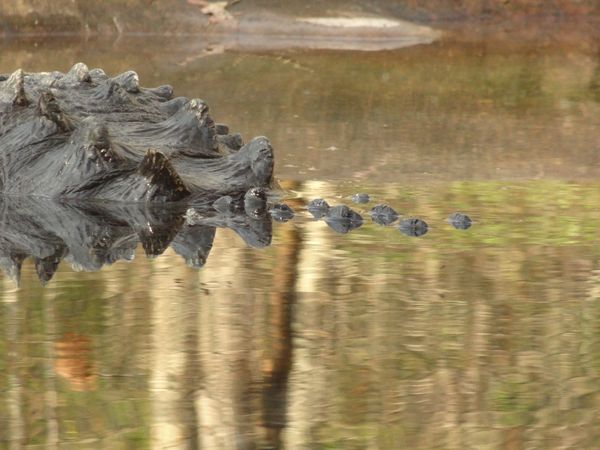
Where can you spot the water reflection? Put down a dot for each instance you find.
(91, 235)
(319, 340)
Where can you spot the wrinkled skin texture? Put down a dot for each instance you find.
(383, 214)
(84, 135)
(92, 166)
(342, 219)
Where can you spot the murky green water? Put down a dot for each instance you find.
(487, 338)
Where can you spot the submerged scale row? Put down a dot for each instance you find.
(86, 135)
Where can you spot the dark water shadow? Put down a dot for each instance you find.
(90, 235)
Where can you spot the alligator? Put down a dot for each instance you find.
(92, 165)
(85, 135)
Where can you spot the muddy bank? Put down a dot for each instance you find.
(110, 17)
(254, 27)
(377, 24)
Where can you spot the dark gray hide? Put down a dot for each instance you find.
(383, 214)
(413, 227)
(281, 212)
(460, 221)
(85, 135)
(318, 208)
(342, 219)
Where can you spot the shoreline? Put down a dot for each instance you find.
(242, 26)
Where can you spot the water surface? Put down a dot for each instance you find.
(486, 338)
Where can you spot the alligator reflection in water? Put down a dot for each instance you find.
(91, 235)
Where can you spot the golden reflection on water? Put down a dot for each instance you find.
(73, 362)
